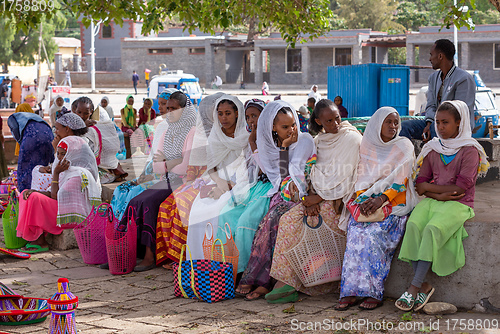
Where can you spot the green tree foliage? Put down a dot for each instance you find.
(295, 19)
(374, 14)
(22, 46)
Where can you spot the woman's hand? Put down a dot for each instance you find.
(159, 157)
(61, 166)
(372, 204)
(46, 169)
(90, 122)
(313, 210)
(421, 188)
(144, 178)
(27, 193)
(216, 193)
(292, 139)
(311, 200)
(448, 196)
(253, 135)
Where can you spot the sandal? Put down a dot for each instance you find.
(347, 304)
(279, 293)
(407, 299)
(243, 290)
(33, 249)
(422, 299)
(373, 301)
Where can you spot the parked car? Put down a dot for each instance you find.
(187, 83)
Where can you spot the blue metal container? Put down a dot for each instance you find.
(367, 87)
(395, 88)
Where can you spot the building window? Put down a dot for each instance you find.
(160, 51)
(343, 56)
(496, 56)
(107, 31)
(294, 60)
(373, 54)
(197, 51)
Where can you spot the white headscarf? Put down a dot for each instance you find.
(334, 174)
(299, 152)
(54, 107)
(453, 145)
(204, 122)
(383, 164)
(110, 140)
(108, 108)
(82, 165)
(222, 150)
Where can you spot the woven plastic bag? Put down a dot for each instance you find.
(121, 245)
(207, 280)
(9, 222)
(90, 234)
(227, 252)
(317, 258)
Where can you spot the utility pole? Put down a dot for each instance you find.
(455, 38)
(94, 30)
(38, 65)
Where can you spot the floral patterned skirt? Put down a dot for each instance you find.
(290, 233)
(368, 255)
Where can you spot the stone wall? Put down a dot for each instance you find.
(481, 58)
(321, 58)
(277, 70)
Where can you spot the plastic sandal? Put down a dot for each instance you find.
(408, 300)
(37, 249)
(279, 293)
(423, 299)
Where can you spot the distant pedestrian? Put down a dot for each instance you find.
(67, 79)
(217, 83)
(4, 93)
(311, 103)
(265, 88)
(343, 111)
(135, 80)
(146, 76)
(314, 93)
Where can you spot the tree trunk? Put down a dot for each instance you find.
(496, 3)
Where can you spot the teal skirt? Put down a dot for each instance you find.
(244, 219)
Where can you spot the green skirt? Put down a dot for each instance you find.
(434, 233)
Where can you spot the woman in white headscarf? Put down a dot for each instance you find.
(57, 109)
(74, 190)
(173, 217)
(122, 153)
(286, 156)
(227, 154)
(383, 179)
(170, 165)
(331, 185)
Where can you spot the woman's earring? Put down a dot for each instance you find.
(274, 133)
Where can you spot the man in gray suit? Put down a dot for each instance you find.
(449, 83)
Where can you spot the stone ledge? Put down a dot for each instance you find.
(466, 287)
(64, 241)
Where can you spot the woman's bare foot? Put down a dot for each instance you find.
(149, 258)
(258, 293)
(243, 289)
(370, 304)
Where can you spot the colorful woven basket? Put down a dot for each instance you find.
(23, 310)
